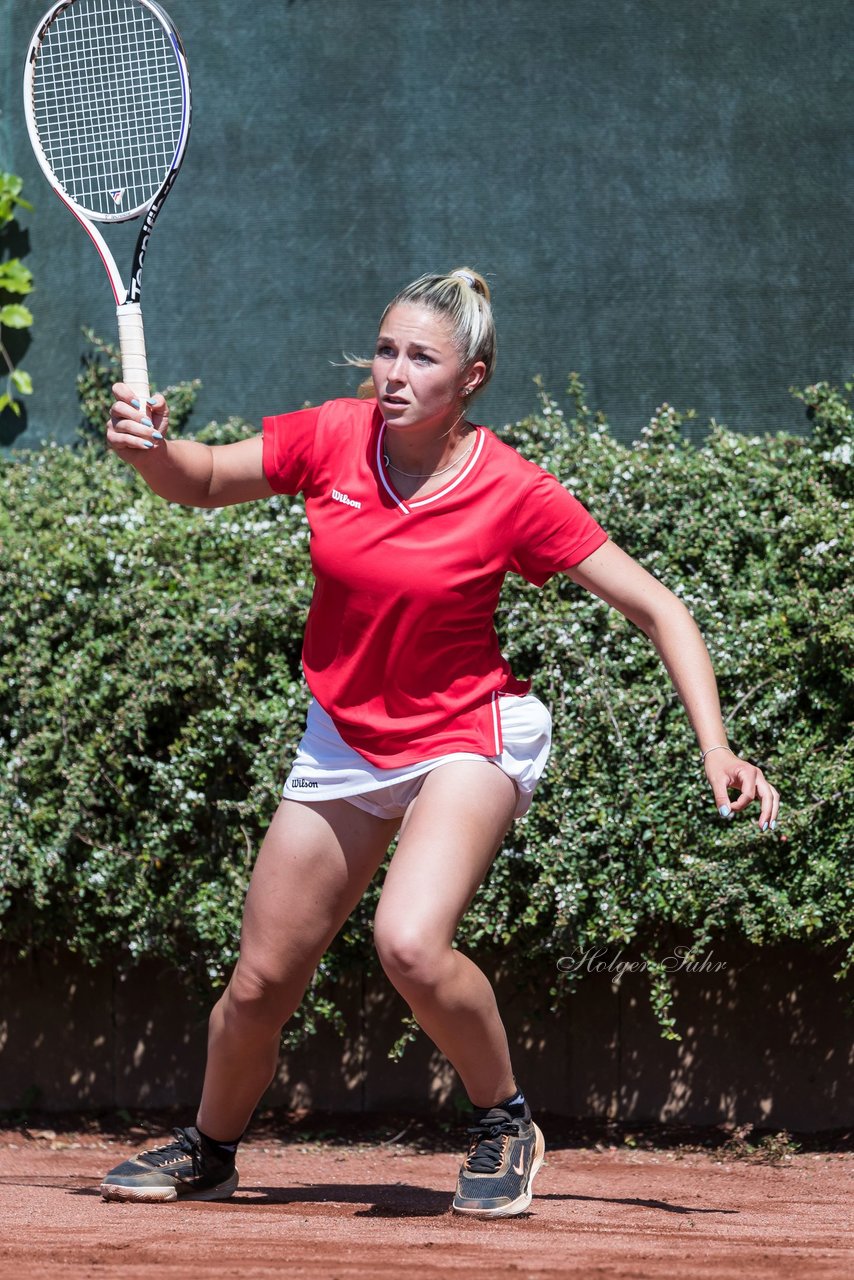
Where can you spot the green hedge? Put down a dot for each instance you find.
(151, 697)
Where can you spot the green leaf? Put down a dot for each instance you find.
(15, 277)
(11, 184)
(10, 196)
(15, 316)
(22, 381)
(6, 402)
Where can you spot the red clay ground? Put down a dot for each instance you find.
(380, 1208)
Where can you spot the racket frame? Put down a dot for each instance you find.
(127, 297)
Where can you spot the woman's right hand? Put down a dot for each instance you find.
(134, 426)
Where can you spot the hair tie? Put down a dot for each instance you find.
(464, 275)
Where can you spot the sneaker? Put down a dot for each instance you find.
(504, 1155)
(181, 1170)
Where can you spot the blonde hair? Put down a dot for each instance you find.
(462, 297)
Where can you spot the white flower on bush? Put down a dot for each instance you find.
(821, 547)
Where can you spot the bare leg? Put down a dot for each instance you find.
(315, 863)
(448, 841)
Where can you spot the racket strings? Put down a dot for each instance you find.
(109, 104)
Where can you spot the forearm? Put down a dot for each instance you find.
(177, 470)
(619, 580)
(683, 651)
(184, 471)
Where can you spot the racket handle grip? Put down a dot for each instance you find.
(132, 343)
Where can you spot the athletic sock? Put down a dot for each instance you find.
(224, 1151)
(515, 1104)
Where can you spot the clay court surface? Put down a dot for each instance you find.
(371, 1203)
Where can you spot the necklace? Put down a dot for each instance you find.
(426, 475)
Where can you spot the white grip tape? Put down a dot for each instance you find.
(132, 343)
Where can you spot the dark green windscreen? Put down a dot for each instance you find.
(658, 191)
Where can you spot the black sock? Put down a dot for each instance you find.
(224, 1151)
(515, 1104)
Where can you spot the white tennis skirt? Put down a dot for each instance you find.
(325, 768)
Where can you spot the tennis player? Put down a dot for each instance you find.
(417, 727)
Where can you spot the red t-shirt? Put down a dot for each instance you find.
(400, 646)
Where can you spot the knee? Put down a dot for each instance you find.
(408, 956)
(253, 997)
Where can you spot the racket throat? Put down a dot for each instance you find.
(135, 287)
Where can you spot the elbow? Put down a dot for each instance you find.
(669, 616)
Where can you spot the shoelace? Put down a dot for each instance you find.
(489, 1139)
(169, 1153)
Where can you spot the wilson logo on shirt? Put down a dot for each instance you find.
(343, 497)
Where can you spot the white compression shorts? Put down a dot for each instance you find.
(325, 768)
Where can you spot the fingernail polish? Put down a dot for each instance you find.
(157, 435)
(725, 811)
(146, 422)
(764, 826)
(773, 824)
(148, 444)
(135, 404)
(150, 401)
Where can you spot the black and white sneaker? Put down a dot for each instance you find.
(504, 1154)
(181, 1170)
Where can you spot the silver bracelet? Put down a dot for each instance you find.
(722, 747)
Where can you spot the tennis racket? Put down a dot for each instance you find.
(107, 103)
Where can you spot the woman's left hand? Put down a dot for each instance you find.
(726, 771)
